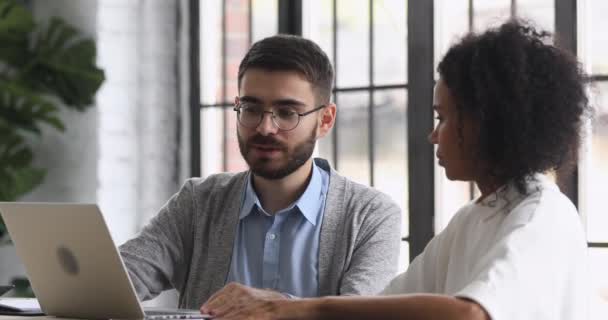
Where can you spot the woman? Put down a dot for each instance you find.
(510, 108)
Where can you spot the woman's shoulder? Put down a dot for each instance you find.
(544, 202)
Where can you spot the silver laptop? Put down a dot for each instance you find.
(73, 265)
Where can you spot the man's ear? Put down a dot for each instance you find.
(327, 119)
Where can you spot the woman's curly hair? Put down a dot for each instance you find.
(528, 98)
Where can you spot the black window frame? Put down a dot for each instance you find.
(419, 86)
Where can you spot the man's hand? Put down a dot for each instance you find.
(236, 301)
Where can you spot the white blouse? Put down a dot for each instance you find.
(518, 256)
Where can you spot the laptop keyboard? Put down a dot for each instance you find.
(174, 314)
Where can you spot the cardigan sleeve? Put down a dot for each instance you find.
(375, 253)
(157, 259)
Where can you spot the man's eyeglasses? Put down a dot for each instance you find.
(250, 115)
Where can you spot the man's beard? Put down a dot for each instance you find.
(301, 153)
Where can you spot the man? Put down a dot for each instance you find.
(289, 224)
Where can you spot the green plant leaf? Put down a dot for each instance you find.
(19, 181)
(39, 68)
(23, 288)
(15, 21)
(15, 25)
(25, 109)
(66, 65)
(21, 158)
(2, 228)
(9, 147)
(9, 138)
(16, 172)
(17, 176)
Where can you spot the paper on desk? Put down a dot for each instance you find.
(19, 304)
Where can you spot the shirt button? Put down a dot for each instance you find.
(272, 236)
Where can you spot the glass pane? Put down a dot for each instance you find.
(490, 13)
(449, 196)
(210, 51)
(353, 136)
(390, 143)
(234, 160)
(593, 171)
(404, 257)
(390, 42)
(353, 43)
(237, 43)
(541, 12)
(211, 136)
(598, 260)
(217, 89)
(212, 60)
(451, 24)
(593, 45)
(318, 24)
(265, 20)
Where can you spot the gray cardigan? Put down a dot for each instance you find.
(188, 245)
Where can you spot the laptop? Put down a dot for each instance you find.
(73, 264)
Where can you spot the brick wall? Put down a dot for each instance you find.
(124, 153)
(139, 110)
(69, 156)
(139, 107)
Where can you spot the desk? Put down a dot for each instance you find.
(28, 318)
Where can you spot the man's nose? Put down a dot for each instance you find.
(267, 125)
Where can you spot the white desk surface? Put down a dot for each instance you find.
(33, 318)
(30, 318)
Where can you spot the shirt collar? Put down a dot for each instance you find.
(308, 204)
(508, 196)
(251, 198)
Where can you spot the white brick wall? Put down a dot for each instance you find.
(138, 107)
(158, 105)
(70, 156)
(124, 153)
(117, 45)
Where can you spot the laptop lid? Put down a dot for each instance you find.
(71, 261)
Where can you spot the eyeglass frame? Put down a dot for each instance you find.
(238, 108)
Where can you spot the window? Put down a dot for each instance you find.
(227, 29)
(593, 170)
(384, 96)
(369, 141)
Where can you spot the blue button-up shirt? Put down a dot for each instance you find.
(281, 251)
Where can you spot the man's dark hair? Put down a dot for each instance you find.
(292, 53)
(528, 98)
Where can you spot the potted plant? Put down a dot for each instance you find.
(42, 68)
